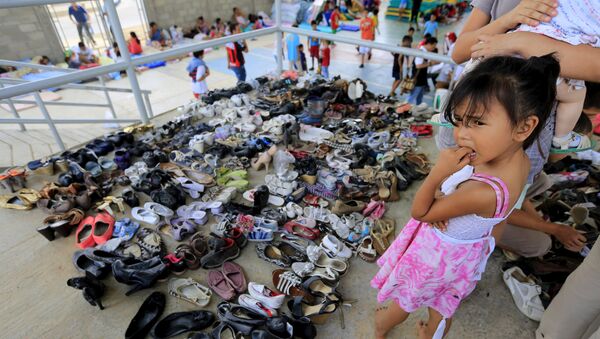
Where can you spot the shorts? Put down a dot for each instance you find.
(314, 51)
(364, 50)
(396, 74)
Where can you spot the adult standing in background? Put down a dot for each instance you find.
(419, 72)
(80, 18)
(414, 13)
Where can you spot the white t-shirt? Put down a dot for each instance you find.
(199, 86)
(87, 53)
(419, 60)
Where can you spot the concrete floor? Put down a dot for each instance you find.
(38, 304)
(171, 87)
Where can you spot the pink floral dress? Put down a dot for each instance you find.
(427, 267)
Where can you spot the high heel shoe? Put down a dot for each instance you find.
(141, 275)
(91, 288)
(318, 313)
(264, 159)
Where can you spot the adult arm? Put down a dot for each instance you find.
(529, 12)
(527, 217)
(576, 62)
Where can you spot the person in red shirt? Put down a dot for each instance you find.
(335, 19)
(133, 45)
(367, 32)
(325, 58)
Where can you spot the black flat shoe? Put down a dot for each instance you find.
(140, 275)
(181, 322)
(146, 316)
(130, 198)
(84, 264)
(92, 289)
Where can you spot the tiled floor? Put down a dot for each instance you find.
(171, 87)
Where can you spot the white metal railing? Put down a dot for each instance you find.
(128, 64)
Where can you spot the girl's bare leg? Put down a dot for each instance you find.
(570, 104)
(427, 330)
(386, 317)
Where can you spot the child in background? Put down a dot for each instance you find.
(313, 45)
(133, 44)
(431, 26)
(334, 20)
(325, 58)
(302, 57)
(438, 257)
(367, 32)
(198, 71)
(376, 20)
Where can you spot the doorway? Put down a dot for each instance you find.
(132, 15)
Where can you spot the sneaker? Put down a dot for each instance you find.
(525, 293)
(222, 250)
(255, 305)
(573, 142)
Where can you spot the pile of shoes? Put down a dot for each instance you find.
(573, 200)
(150, 202)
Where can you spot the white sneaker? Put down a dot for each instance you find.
(525, 293)
(265, 295)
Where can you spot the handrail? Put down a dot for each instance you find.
(79, 86)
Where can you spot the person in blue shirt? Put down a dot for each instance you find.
(80, 18)
(431, 26)
(292, 41)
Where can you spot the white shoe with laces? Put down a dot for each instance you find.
(525, 293)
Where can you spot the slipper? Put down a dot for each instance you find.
(190, 187)
(159, 209)
(190, 290)
(145, 215)
(235, 276)
(218, 283)
(125, 229)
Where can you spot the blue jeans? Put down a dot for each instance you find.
(416, 96)
(325, 71)
(240, 72)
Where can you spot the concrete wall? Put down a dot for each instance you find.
(184, 12)
(27, 32)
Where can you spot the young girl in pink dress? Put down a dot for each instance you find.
(497, 111)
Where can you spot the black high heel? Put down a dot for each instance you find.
(92, 289)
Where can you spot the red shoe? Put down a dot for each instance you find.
(301, 230)
(84, 234)
(104, 224)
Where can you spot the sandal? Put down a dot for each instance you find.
(288, 283)
(366, 251)
(190, 290)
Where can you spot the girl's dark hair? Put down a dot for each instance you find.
(133, 35)
(524, 87)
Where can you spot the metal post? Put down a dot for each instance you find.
(278, 36)
(115, 24)
(13, 109)
(148, 104)
(108, 100)
(40, 103)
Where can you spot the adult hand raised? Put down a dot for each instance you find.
(494, 45)
(531, 12)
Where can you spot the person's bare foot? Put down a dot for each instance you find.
(422, 330)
